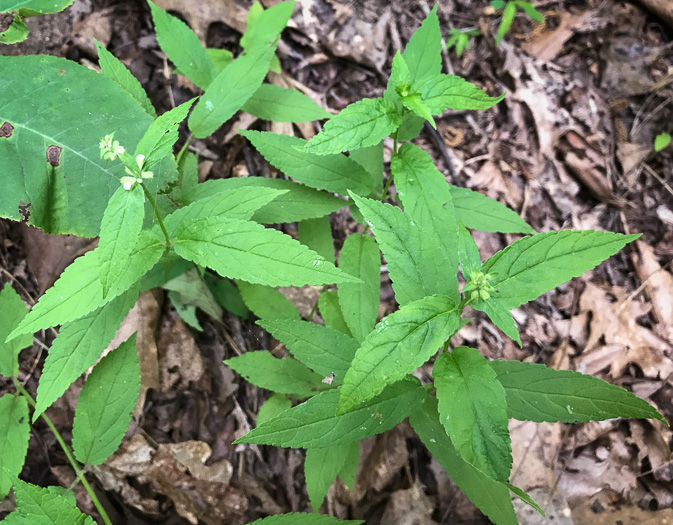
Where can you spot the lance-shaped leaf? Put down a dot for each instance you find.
(322, 349)
(473, 410)
(427, 200)
(230, 90)
(78, 290)
(122, 222)
(360, 257)
(349, 471)
(279, 104)
(297, 204)
(490, 496)
(285, 376)
(158, 140)
(237, 203)
(330, 311)
(44, 506)
(78, 346)
(267, 302)
(423, 53)
(364, 123)
(113, 69)
(450, 92)
(298, 518)
(399, 344)
(416, 261)
(314, 423)
(12, 312)
(15, 425)
(317, 235)
(479, 212)
(182, 47)
(321, 467)
(468, 253)
(534, 265)
(500, 316)
(336, 173)
(266, 24)
(249, 251)
(537, 393)
(105, 405)
(68, 192)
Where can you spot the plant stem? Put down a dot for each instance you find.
(157, 214)
(184, 147)
(68, 454)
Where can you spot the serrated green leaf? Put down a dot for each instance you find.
(121, 225)
(298, 518)
(44, 506)
(336, 173)
(273, 407)
(525, 498)
(508, 15)
(415, 104)
(78, 346)
(15, 424)
(473, 410)
(423, 53)
(35, 7)
(399, 344)
(322, 349)
(413, 255)
(113, 69)
(661, 141)
(188, 172)
(330, 311)
(227, 294)
(450, 92)
(468, 253)
(400, 77)
(182, 47)
(158, 140)
(12, 312)
(500, 316)
(246, 250)
(105, 405)
(537, 393)
(266, 24)
(220, 58)
(192, 290)
(371, 159)
(78, 290)
(279, 104)
(362, 124)
(321, 467)
(427, 200)
(236, 203)
(531, 266)
(410, 128)
(478, 212)
(284, 376)
(314, 423)
(67, 104)
(299, 203)
(230, 90)
(490, 496)
(169, 267)
(267, 302)
(360, 257)
(349, 471)
(317, 235)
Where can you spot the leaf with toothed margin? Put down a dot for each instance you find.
(15, 424)
(12, 312)
(314, 423)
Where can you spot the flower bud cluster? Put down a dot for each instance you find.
(478, 286)
(109, 148)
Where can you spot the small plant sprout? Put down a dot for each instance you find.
(460, 39)
(509, 10)
(662, 141)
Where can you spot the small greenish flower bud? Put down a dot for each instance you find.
(484, 294)
(128, 182)
(140, 160)
(109, 148)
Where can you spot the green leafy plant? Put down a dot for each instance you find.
(12, 13)
(460, 39)
(662, 141)
(208, 246)
(509, 10)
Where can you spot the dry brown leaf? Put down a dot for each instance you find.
(180, 361)
(630, 155)
(408, 507)
(652, 438)
(627, 515)
(627, 66)
(555, 507)
(199, 15)
(383, 463)
(547, 44)
(659, 286)
(491, 180)
(534, 449)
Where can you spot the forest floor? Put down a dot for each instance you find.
(571, 146)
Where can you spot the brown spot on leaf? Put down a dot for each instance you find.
(61, 71)
(6, 130)
(53, 155)
(24, 211)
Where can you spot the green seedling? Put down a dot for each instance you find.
(662, 141)
(460, 39)
(509, 10)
